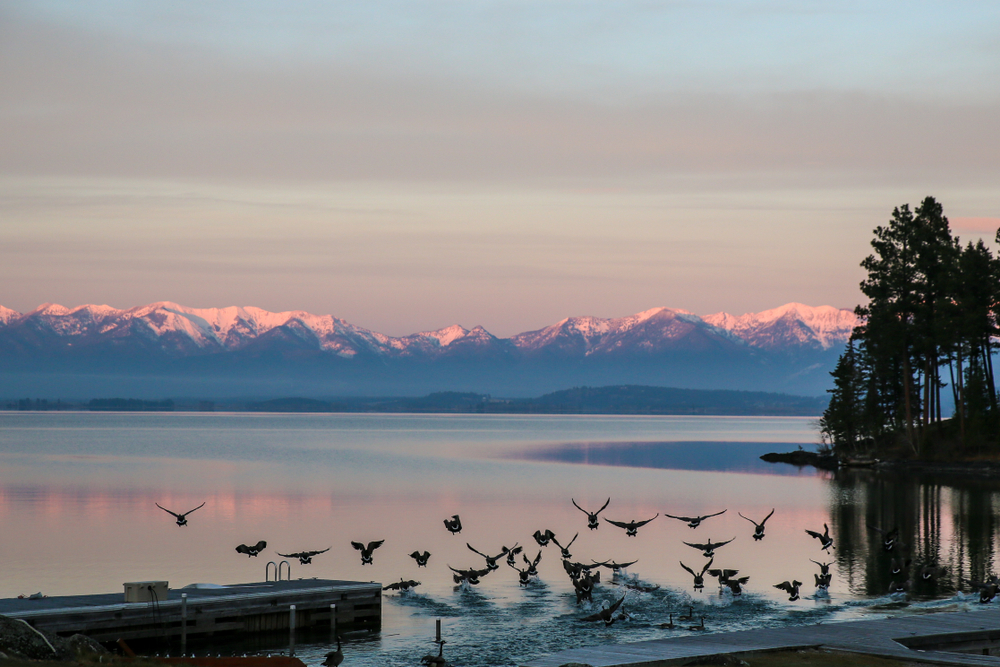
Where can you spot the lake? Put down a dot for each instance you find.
(78, 514)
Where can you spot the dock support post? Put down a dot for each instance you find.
(333, 620)
(291, 631)
(437, 634)
(184, 624)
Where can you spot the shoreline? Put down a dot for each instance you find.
(956, 469)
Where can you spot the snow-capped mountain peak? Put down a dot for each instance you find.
(792, 323)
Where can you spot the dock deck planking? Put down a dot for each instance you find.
(883, 637)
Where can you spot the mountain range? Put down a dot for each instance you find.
(165, 349)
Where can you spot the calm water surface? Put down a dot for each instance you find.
(78, 515)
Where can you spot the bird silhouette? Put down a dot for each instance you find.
(592, 522)
(736, 585)
(454, 524)
(438, 660)
(421, 558)
(471, 575)
(543, 538)
(366, 550)
(251, 550)
(512, 552)
(791, 588)
(334, 658)
(825, 541)
(491, 561)
(565, 549)
(181, 518)
(890, 538)
(607, 614)
(693, 521)
(758, 528)
(305, 557)
(700, 626)
(524, 576)
(401, 585)
(669, 625)
(708, 549)
(723, 575)
(533, 564)
(699, 577)
(631, 527)
(615, 568)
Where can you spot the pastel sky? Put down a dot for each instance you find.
(410, 165)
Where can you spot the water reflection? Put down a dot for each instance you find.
(944, 523)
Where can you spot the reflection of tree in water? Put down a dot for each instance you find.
(914, 505)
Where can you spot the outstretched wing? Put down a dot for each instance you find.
(260, 546)
(643, 523)
(243, 549)
(688, 569)
(166, 510)
(372, 546)
(620, 524)
(310, 554)
(708, 516)
(766, 518)
(606, 503)
(475, 551)
(295, 555)
(785, 586)
(707, 565)
(358, 546)
(700, 547)
(615, 606)
(680, 518)
(579, 508)
(752, 521)
(813, 533)
(722, 544)
(196, 508)
(570, 542)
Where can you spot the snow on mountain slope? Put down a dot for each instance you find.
(6, 315)
(181, 330)
(790, 325)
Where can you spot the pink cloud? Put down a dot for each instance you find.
(985, 225)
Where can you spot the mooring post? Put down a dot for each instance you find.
(333, 620)
(184, 624)
(291, 631)
(438, 633)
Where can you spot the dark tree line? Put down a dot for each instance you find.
(928, 328)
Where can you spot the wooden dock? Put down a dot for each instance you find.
(207, 612)
(946, 638)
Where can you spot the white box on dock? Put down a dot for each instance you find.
(145, 591)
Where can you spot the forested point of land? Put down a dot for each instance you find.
(927, 333)
(626, 399)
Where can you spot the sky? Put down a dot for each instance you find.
(411, 165)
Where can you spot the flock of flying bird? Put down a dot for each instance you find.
(585, 575)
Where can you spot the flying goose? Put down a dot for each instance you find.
(491, 561)
(366, 551)
(421, 558)
(758, 528)
(533, 564)
(513, 551)
(736, 585)
(251, 550)
(825, 541)
(524, 577)
(584, 587)
(723, 575)
(305, 557)
(592, 516)
(699, 578)
(543, 538)
(708, 549)
(401, 585)
(631, 527)
(693, 521)
(607, 614)
(454, 524)
(472, 575)
(890, 538)
(615, 568)
(791, 588)
(565, 549)
(181, 518)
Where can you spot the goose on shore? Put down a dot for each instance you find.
(592, 522)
